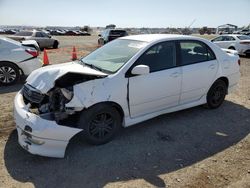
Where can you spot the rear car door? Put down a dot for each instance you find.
(42, 40)
(199, 68)
(219, 41)
(160, 89)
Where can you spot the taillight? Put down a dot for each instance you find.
(32, 52)
(244, 42)
(239, 62)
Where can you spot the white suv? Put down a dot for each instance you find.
(241, 43)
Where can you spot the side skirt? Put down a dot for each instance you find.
(131, 121)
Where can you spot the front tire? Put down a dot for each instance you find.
(100, 123)
(9, 73)
(216, 94)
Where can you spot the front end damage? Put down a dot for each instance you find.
(44, 122)
(39, 133)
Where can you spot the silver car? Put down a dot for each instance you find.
(16, 60)
(44, 40)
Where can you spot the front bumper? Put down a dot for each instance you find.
(38, 134)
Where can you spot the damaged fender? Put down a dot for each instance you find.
(96, 91)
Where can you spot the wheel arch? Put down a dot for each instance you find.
(113, 104)
(12, 64)
(224, 79)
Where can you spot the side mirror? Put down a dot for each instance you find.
(140, 70)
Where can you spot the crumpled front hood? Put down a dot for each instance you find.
(44, 78)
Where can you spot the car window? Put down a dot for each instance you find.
(217, 39)
(118, 33)
(243, 37)
(195, 52)
(112, 56)
(228, 38)
(44, 35)
(231, 38)
(38, 34)
(159, 57)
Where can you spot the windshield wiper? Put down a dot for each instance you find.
(96, 67)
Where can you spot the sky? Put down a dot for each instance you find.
(126, 13)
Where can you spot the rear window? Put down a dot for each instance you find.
(24, 33)
(243, 37)
(118, 32)
(195, 52)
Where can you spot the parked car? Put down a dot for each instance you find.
(16, 59)
(2, 31)
(9, 31)
(83, 33)
(43, 40)
(110, 34)
(241, 43)
(242, 32)
(127, 81)
(71, 33)
(57, 32)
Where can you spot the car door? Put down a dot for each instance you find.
(199, 68)
(160, 89)
(219, 41)
(41, 39)
(47, 40)
(38, 38)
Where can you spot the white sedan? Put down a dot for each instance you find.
(127, 81)
(241, 43)
(17, 59)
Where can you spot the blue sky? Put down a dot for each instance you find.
(126, 13)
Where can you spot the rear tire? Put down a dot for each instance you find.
(55, 45)
(100, 124)
(216, 94)
(9, 73)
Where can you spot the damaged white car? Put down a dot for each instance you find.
(126, 81)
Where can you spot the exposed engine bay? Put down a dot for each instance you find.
(53, 102)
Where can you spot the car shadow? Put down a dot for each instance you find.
(157, 146)
(12, 88)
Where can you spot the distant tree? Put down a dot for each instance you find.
(111, 26)
(86, 28)
(209, 31)
(204, 30)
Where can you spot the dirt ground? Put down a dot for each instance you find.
(196, 147)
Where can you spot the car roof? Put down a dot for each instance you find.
(157, 37)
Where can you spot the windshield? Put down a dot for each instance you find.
(113, 55)
(243, 37)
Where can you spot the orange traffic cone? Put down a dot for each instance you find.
(45, 58)
(74, 55)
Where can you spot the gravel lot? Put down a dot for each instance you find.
(190, 148)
